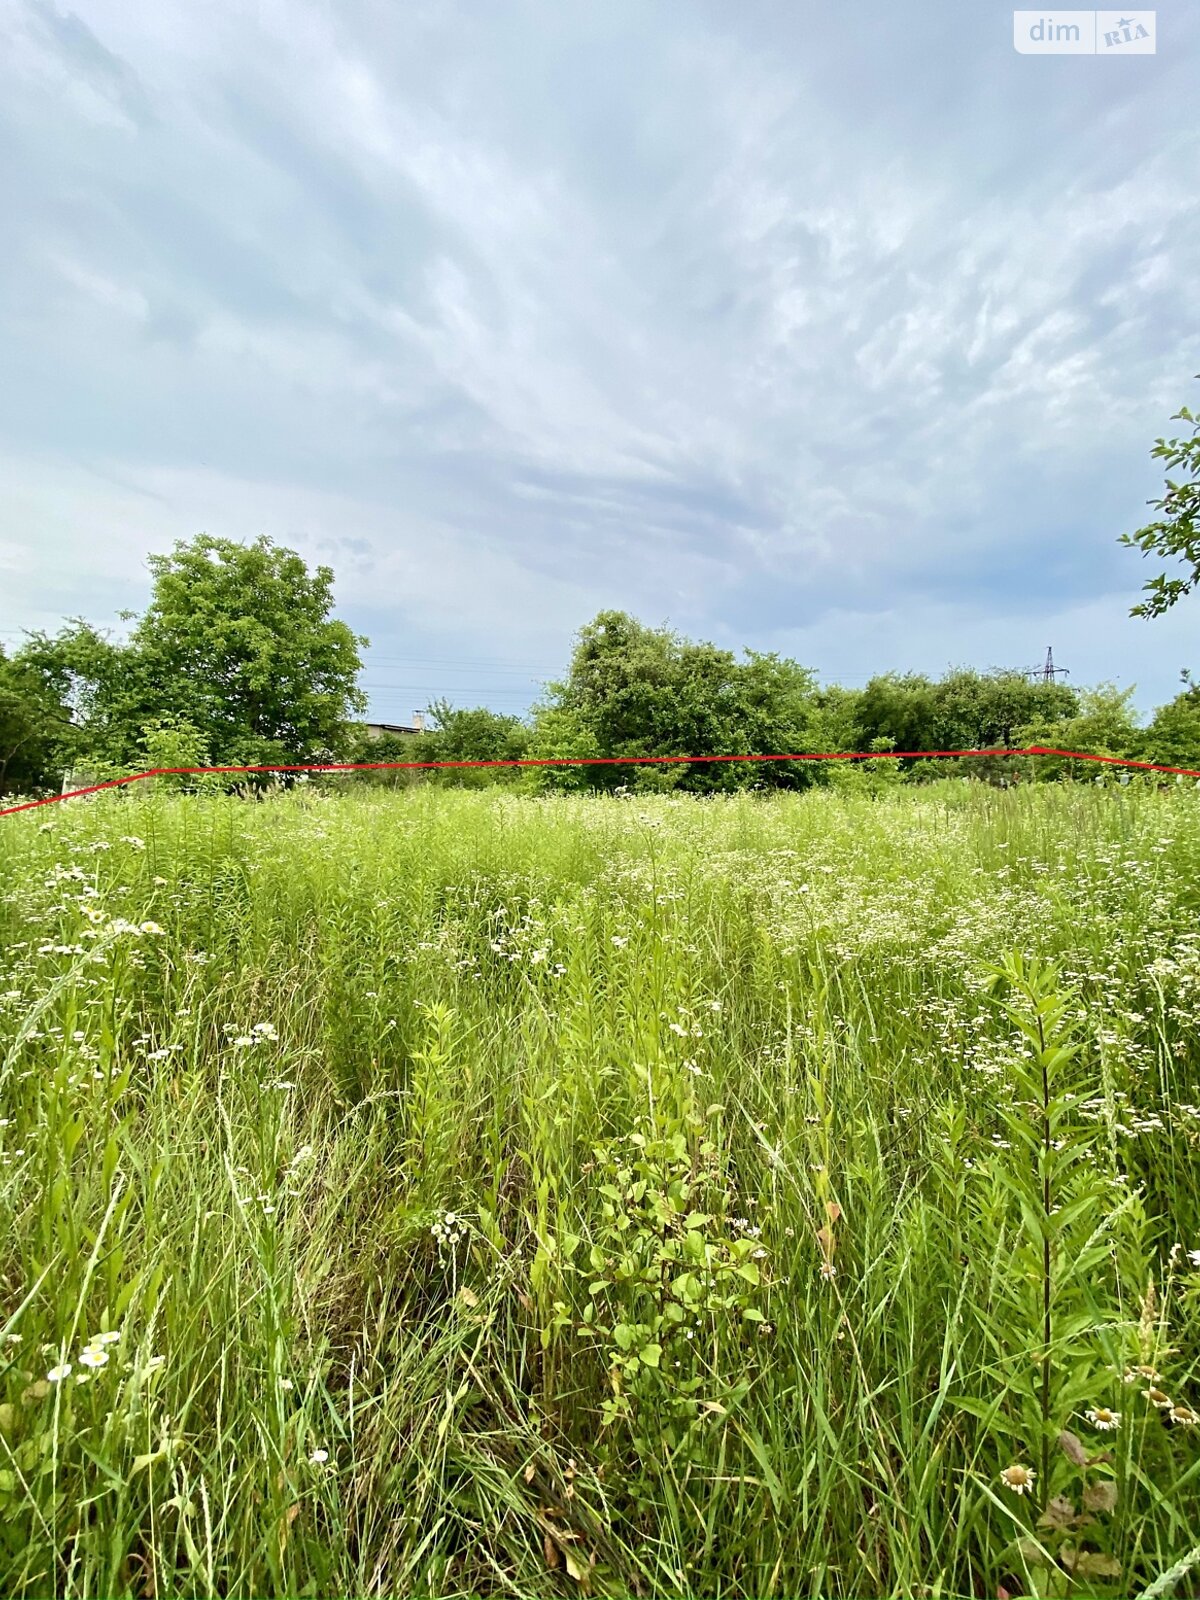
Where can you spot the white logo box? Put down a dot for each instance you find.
(1084, 33)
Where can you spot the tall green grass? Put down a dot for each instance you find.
(496, 1195)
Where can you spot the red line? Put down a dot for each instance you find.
(596, 761)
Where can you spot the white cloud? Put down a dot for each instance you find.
(730, 317)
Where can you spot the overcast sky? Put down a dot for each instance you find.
(841, 330)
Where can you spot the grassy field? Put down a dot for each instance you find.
(446, 1193)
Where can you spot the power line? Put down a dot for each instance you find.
(477, 677)
(439, 688)
(462, 661)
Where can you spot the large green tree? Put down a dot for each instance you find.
(900, 709)
(243, 634)
(1175, 533)
(97, 681)
(633, 690)
(1173, 736)
(474, 733)
(1104, 724)
(963, 710)
(984, 710)
(237, 648)
(36, 732)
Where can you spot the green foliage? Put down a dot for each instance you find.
(899, 707)
(236, 643)
(475, 734)
(1069, 1239)
(663, 1284)
(777, 713)
(965, 710)
(95, 680)
(836, 724)
(170, 742)
(1104, 725)
(639, 691)
(241, 634)
(1172, 738)
(886, 770)
(432, 1130)
(1054, 1315)
(36, 734)
(1175, 533)
(561, 733)
(981, 711)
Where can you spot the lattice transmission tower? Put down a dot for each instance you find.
(1048, 672)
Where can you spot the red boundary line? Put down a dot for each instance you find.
(594, 761)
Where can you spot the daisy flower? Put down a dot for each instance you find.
(1018, 1478)
(1104, 1419)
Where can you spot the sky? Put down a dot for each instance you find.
(843, 331)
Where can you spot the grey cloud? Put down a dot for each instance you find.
(760, 319)
(82, 52)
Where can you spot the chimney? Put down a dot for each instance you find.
(419, 721)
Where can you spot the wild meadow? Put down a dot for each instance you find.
(472, 1193)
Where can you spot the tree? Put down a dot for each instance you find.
(475, 734)
(983, 710)
(836, 722)
(1104, 725)
(775, 711)
(242, 636)
(36, 733)
(626, 694)
(170, 744)
(964, 710)
(237, 645)
(561, 733)
(900, 707)
(837, 729)
(1176, 532)
(632, 690)
(97, 682)
(1173, 737)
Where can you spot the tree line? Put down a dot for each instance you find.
(239, 661)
